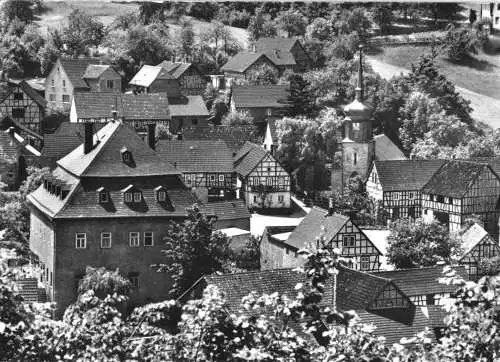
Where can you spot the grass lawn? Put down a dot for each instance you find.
(480, 75)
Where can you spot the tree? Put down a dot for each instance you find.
(461, 43)
(292, 23)
(320, 29)
(218, 44)
(263, 75)
(300, 97)
(414, 244)
(237, 118)
(187, 38)
(20, 9)
(193, 249)
(82, 32)
(383, 17)
(261, 26)
(103, 282)
(209, 95)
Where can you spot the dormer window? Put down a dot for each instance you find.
(161, 194)
(128, 197)
(103, 195)
(131, 194)
(126, 155)
(137, 197)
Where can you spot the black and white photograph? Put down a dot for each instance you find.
(260, 181)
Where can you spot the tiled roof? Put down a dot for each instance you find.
(187, 106)
(94, 71)
(197, 156)
(260, 96)
(175, 69)
(104, 160)
(273, 130)
(437, 314)
(26, 88)
(242, 61)
(248, 157)
(400, 175)
(65, 139)
(75, 69)
(227, 210)
(10, 142)
(234, 136)
(311, 227)
(386, 150)
(421, 281)
(473, 236)
(93, 105)
(284, 44)
(148, 74)
(454, 178)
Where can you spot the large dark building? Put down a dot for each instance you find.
(108, 203)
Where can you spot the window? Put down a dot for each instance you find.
(221, 178)
(18, 96)
(269, 169)
(354, 158)
(103, 195)
(188, 178)
(126, 155)
(52, 97)
(137, 197)
(65, 98)
(148, 238)
(162, 196)
(281, 198)
(365, 262)
(396, 196)
(255, 198)
(134, 239)
(128, 197)
(64, 83)
(410, 195)
(212, 177)
(425, 212)
(450, 200)
(105, 240)
(440, 198)
(269, 111)
(194, 122)
(431, 197)
(52, 82)
(110, 83)
(348, 240)
(17, 112)
(81, 240)
(134, 280)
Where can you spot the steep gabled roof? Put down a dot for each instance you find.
(104, 160)
(473, 236)
(422, 281)
(386, 150)
(94, 71)
(260, 96)
(227, 210)
(242, 61)
(284, 44)
(26, 88)
(175, 69)
(188, 106)
(234, 136)
(400, 175)
(248, 157)
(75, 69)
(454, 178)
(316, 223)
(197, 156)
(148, 74)
(65, 139)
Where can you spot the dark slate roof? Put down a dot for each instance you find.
(421, 281)
(400, 175)
(242, 61)
(311, 227)
(93, 105)
(227, 210)
(386, 150)
(187, 106)
(75, 69)
(248, 157)
(197, 156)
(283, 44)
(65, 139)
(454, 178)
(105, 158)
(234, 136)
(175, 69)
(260, 96)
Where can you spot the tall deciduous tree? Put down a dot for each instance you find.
(383, 17)
(82, 32)
(20, 9)
(261, 25)
(263, 75)
(292, 22)
(300, 97)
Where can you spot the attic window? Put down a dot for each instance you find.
(126, 155)
(103, 195)
(131, 194)
(18, 96)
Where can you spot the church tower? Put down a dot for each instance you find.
(358, 146)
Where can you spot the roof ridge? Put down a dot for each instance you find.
(410, 269)
(249, 272)
(365, 273)
(82, 173)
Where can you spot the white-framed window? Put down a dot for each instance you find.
(148, 238)
(162, 196)
(81, 240)
(212, 177)
(103, 197)
(110, 83)
(65, 98)
(18, 96)
(364, 262)
(128, 197)
(221, 178)
(269, 111)
(105, 240)
(348, 240)
(134, 239)
(134, 280)
(137, 197)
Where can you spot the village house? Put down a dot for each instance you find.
(24, 105)
(16, 155)
(264, 182)
(107, 204)
(459, 190)
(155, 79)
(229, 214)
(477, 246)
(285, 53)
(262, 102)
(187, 111)
(320, 228)
(244, 63)
(206, 166)
(192, 82)
(375, 300)
(397, 184)
(70, 76)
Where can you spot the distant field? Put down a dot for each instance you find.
(481, 76)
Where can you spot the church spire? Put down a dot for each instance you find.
(359, 87)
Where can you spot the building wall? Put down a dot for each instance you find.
(301, 58)
(202, 180)
(179, 122)
(357, 158)
(171, 86)
(100, 84)
(260, 114)
(33, 113)
(276, 255)
(192, 82)
(58, 84)
(241, 223)
(373, 185)
(70, 263)
(486, 249)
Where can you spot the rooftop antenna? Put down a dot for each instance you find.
(359, 88)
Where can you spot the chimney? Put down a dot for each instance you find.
(88, 138)
(11, 131)
(179, 136)
(114, 114)
(331, 208)
(151, 135)
(254, 49)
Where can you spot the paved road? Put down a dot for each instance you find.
(485, 109)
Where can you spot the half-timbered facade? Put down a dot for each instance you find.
(206, 166)
(264, 182)
(25, 106)
(477, 246)
(319, 229)
(190, 78)
(459, 190)
(397, 185)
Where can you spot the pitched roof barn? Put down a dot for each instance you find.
(242, 61)
(474, 236)
(248, 157)
(400, 175)
(188, 106)
(175, 69)
(75, 70)
(148, 74)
